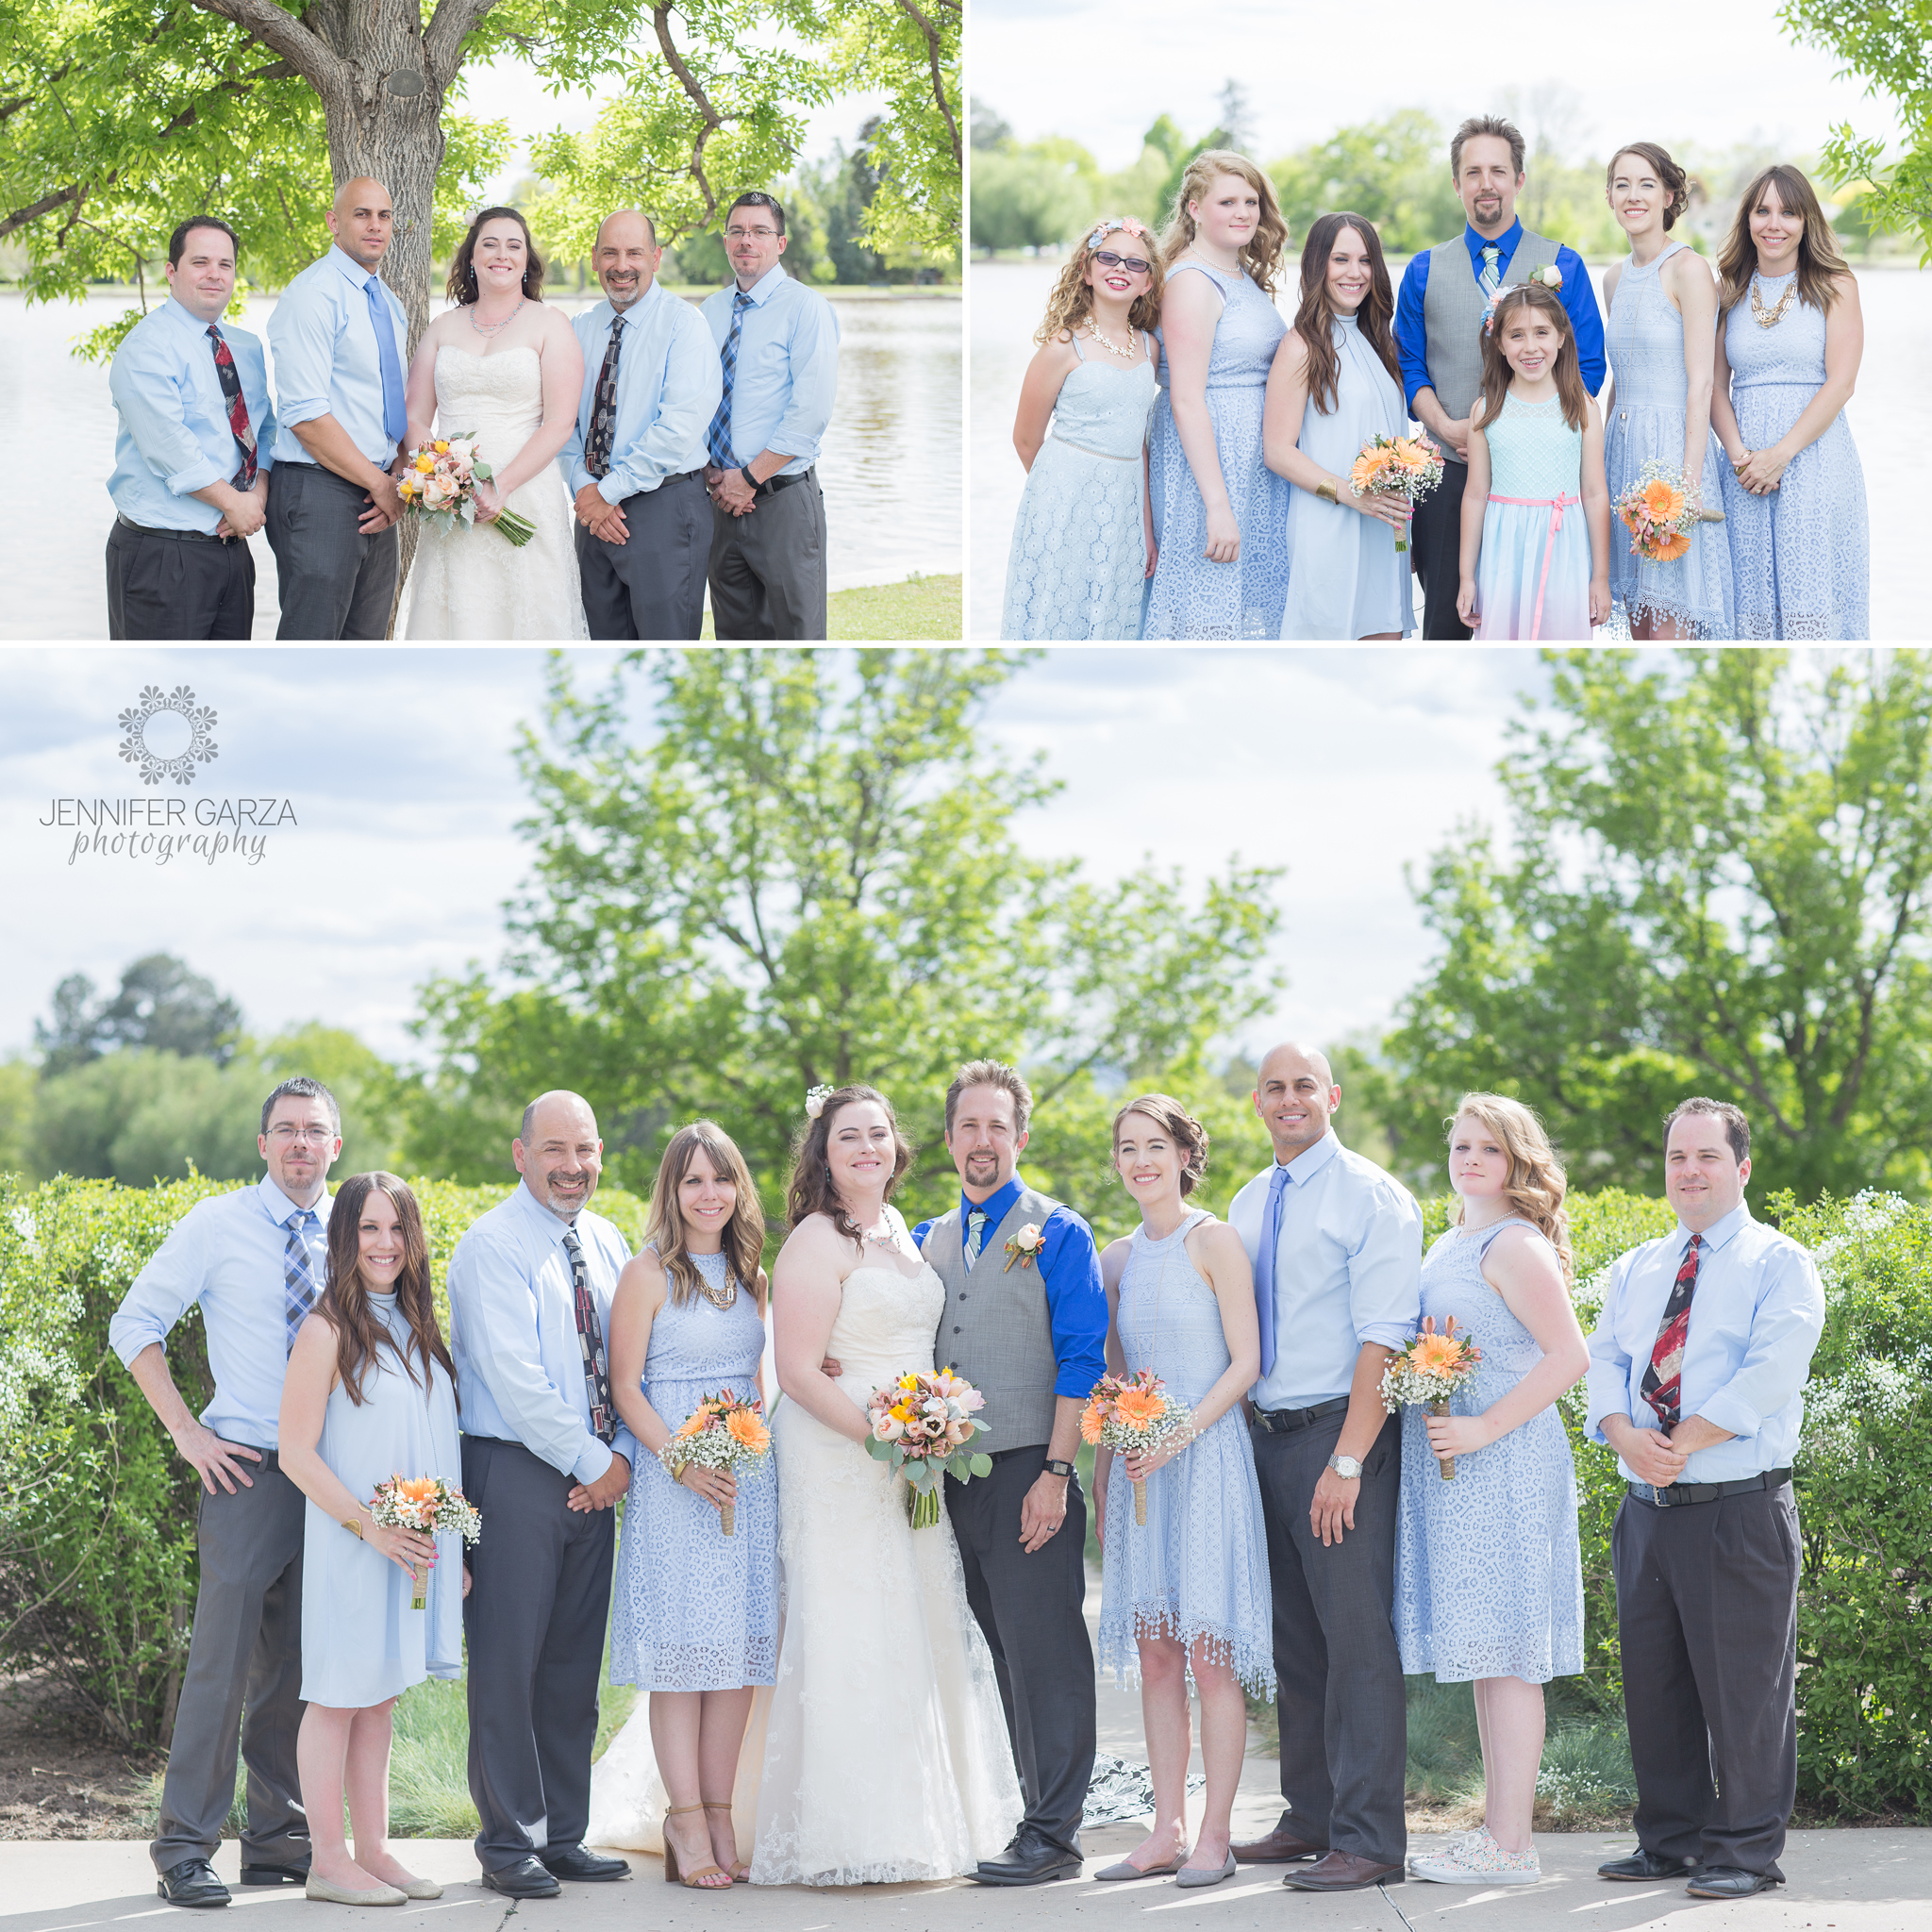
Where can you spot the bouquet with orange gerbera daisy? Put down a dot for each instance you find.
(922, 1424)
(1134, 1412)
(425, 1503)
(1430, 1370)
(724, 1431)
(1659, 511)
(1409, 466)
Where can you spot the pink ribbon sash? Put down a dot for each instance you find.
(1555, 505)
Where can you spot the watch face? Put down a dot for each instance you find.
(1346, 1467)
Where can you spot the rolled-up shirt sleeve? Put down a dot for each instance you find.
(303, 333)
(147, 393)
(161, 1294)
(1606, 1384)
(1075, 1303)
(693, 388)
(814, 350)
(1785, 1328)
(1385, 1271)
(1412, 329)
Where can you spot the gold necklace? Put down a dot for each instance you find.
(720, 1298)
(1126, 354)
(1770, 318)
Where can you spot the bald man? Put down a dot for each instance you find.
(544, 1457)
(1336, 1247)
(635, 460)
(340, 343)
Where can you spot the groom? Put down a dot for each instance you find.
(1025, 1325)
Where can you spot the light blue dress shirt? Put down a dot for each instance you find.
(513, 1331)
(1348, 1269)
(787, 375)
(175, 437)
(1756, 1315)
(668, 385)
(327, 360)
(226, 1253)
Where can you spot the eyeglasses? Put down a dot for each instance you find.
(1132, 263)
(293, 1137)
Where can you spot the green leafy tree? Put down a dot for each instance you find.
(1394, 172)
(1033, 198)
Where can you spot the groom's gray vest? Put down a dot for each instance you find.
(1453, 304)
(996, 1330)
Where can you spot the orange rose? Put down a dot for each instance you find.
(1140, 1408)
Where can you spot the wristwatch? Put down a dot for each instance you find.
(1346, 1467)
(1062, 1469)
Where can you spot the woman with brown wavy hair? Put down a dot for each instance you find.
(1336, 382)
(370, 1394)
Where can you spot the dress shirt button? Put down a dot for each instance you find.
(955, 1331)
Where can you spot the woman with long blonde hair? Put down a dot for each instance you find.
(1083, 543)
(1488, 1577)
(1220, 513)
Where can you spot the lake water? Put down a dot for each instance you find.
(890, 466)
(1893, 402)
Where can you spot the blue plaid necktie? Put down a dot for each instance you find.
(976, 1234)
(298, 1271)
(395, 420)
(720, 422)
(1491, 276)
(1264, 1263)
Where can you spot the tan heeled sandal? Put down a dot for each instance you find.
(688, 1879)
(741, 1874)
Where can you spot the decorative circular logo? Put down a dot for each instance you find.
(167, 757)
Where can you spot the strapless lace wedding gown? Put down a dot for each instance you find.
(470, 582)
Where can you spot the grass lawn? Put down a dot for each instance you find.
(920, 609)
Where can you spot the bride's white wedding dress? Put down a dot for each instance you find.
(470, 581)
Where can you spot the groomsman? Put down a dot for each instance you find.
(253, 1261)
(778, 343)
(544, 1457)
(636, 459)
(192, 455)
(1336, 1246)
(340, 343)
(1697, 1374)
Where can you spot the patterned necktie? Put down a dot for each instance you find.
(604, 405)
(298, 1271)
(976, 1234)
(591, 1340)
(1662, 1381)
(231, 378)
(396, 421)
(1491, 276)
(1264, 1263)
(721, 423)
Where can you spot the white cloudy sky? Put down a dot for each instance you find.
(1343, 765)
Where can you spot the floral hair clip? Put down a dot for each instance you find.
(1107, 225)
(815, 1101)
(1550, 277)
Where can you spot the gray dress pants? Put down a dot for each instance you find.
(1343, 1707)
(768, 567)
(534, 1625)
(243, 1675)
(334, 581)
(652, 584)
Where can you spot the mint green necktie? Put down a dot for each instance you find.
(976, 1234)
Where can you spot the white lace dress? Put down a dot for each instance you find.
(472, 582)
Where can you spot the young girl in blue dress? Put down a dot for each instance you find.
(1489, 1579)
(1535, 514)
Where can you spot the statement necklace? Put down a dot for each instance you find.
(1127, 355)
(720, 1298)
(491, 328)
(1770, 318)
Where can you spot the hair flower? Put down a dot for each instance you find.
(1107, 224)
(815, 1101)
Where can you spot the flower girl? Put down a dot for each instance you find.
(1083, 543)
(1532, 566)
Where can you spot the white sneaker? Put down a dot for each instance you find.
(1476, 1859)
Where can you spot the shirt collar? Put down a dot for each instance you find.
(996, 1207)
(277, 1204)
(1720, 1232)
(536, 1211)
(347, 265)
(1310, 1160)
(1506, 241)
(184, 317)
(637, 310)
(766, 286)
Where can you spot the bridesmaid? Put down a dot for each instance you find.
(1188, 1591)
(1218, 512)
(370, 1393)
(1488, 1580)
(1662, 344)
(1787, 360)
(695, 1613)
(1083, 542)
(1348, 579)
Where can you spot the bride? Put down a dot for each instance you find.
(509, 368)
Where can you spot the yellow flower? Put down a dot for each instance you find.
(426, 463)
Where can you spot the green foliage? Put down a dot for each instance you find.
(1031, 197)
(1393, 172)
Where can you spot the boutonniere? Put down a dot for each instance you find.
(1024, 1248)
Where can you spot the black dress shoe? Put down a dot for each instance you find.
(193, 1882)
(1727, 1881)
(274, 1874)
(573, 1861)
(1032, 1859)
(527, 1878)
(1645, 1864)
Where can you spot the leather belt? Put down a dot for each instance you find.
(1677, 1494)
(128, 523)
(1284, 1421)
(772, 484)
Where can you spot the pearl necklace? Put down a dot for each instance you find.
(1127, 355)
(491, 328)
(1770, 318)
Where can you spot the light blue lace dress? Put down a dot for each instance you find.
(1646, 350)
(1346, 578)
(1079, 565)
(1801, 554)
(1488, 1580)
(1189, 597)
(693, 1609)
(1532, 577)
(1198, 1566)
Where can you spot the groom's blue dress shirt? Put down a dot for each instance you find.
(327, 360)
(513, 1331)
(1577, 296)
(668, 387)
(1069, 1267)
(787, 375)
(227, 1254)
(175, 437)
(1756, 1312)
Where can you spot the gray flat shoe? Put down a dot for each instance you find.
(319, 1889)
(1125, 1869)
(1206, 1877)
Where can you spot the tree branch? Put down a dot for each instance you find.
(938, 85)
(451, 25)
(275, 27)
(660, 19)
(45, 206)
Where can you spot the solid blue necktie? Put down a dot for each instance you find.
(1264, 1264)
(395, 420)
(719, 438)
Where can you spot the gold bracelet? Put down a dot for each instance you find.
(1325, 490)
(354, 1526)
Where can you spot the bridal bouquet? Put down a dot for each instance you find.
(1409, 466)
(721, 1432)
(1659, 511)
(1134, 1412)
(425, 1503)
(921, 1425)
(439, 485)
(1430, 1370)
